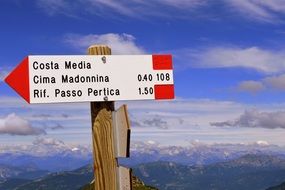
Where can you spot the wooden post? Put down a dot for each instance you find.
(105, 163)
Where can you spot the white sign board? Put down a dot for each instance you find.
(86, 78)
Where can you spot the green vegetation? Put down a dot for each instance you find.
(139, 185)
(136, 183)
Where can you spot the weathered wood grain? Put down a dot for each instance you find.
(105, 163)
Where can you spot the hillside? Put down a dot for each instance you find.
(27, 172)
(277, 187)
(136, 183)
(251, 172)
(71, 180)
(11, 184)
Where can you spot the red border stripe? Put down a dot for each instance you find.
(165, 91)
(162, 62)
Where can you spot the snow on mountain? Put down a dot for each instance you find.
(54, 155)
(42, 147)
(198, 153)
(46, 154)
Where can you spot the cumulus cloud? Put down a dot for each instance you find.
(120, 43)
(251, 86)
(185, 105)
(47, 141)
(254, 118)
(43, 115)
(150, 122)
(52, 126)
(262, 60)
(223, 123)
(15, 125)
(57, 126)
(268, 62)
(156, 122)
(180, 115)
(275, 82)
(51, 117)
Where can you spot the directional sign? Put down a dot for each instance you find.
(86, 78)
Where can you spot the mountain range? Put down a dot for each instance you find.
(197, 153)
(53, 163)
(27, 172)
(55, 156)
(249, 172)
(46, 154)
(71, 180)
(78, 179)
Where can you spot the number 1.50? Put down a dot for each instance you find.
(145, 90)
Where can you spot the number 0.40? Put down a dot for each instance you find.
(145, 77)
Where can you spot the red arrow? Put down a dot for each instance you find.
(18, 79)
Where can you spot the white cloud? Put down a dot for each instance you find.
(116, 6)
(181, 106)
(269, 11)
(111, 8)
(183, 4)
(15, 125)
(53, 7)
(275, 82)
(119, 43)
(250, 86)
(252, 9)
(254, 118)
(48, 142)
(272, 82)
(155, 121)
(196, 115)
(264, 11)
(262, 60)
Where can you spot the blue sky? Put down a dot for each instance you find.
(229, 59)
